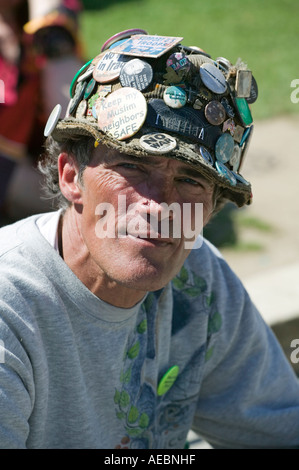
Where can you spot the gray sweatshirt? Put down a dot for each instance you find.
(76, 372)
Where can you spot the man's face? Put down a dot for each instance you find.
(129, 233)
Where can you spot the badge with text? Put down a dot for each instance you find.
(147, 46)
(109, 67)
(137, 74)
(122, 113)
(158, 143)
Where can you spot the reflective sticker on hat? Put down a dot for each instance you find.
(243, 83)
(109, 66)
(158, 143)
(215, 113)
(184, 121)
(213, 78)
(223, 171)
(224, 148)
(235, 159)
(122, 113)
(136, 74)
(52, 120)
(175, 97)
(206, 155)
(147, 46)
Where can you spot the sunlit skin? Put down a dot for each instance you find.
(121, 270)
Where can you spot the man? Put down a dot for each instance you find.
(121, 327)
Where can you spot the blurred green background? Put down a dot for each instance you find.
(263, 33)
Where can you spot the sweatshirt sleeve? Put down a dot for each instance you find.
(16, 388)
(249, 395)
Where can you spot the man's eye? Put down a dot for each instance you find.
(132, 166)
(190, 181)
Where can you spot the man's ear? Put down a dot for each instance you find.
(68, 178)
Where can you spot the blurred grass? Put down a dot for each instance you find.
(265, 34)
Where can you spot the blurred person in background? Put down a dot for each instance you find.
(40, 50)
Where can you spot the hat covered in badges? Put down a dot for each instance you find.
(152, 95)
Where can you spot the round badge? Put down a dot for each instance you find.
(86, 74)
(89, 88)
(168, 380)
(175, 97)
(122, 113)
(137, 74)
(122, 35)
(73, 84)
(81, 110)
(244, 111)
(52, 120)
(253, 92)
(109, 66)
(158, 143)
(223, 171)
(235, 159)
(240, 178)
(224, 63)
(206, 155)
(213, 78)
(224, 148)
(178, 61)
(78, 96)
(215, 113)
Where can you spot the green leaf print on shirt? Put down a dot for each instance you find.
(192, 287)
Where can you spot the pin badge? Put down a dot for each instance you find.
(81, 109)
(158, 143)
(244, 111)
(253, 92)
(206, 155)
(73, 84)
(215, 113)
(109, 66)
(213, 78)
(240, 178)
(224, 148)
(89, 88)
(243, 83)
(235, 159)
(136, 74)
(178, 61)
(223, 171)
(175, 97)
(52, 120)
(86, 74)
(123, 35)
(78, 96)
(122, 113)
(168, 380)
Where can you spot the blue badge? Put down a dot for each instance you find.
(223, 171)
(206, 155)
(224, 148)
(175, 97)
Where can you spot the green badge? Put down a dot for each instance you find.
(244, 111)
(168, 380)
